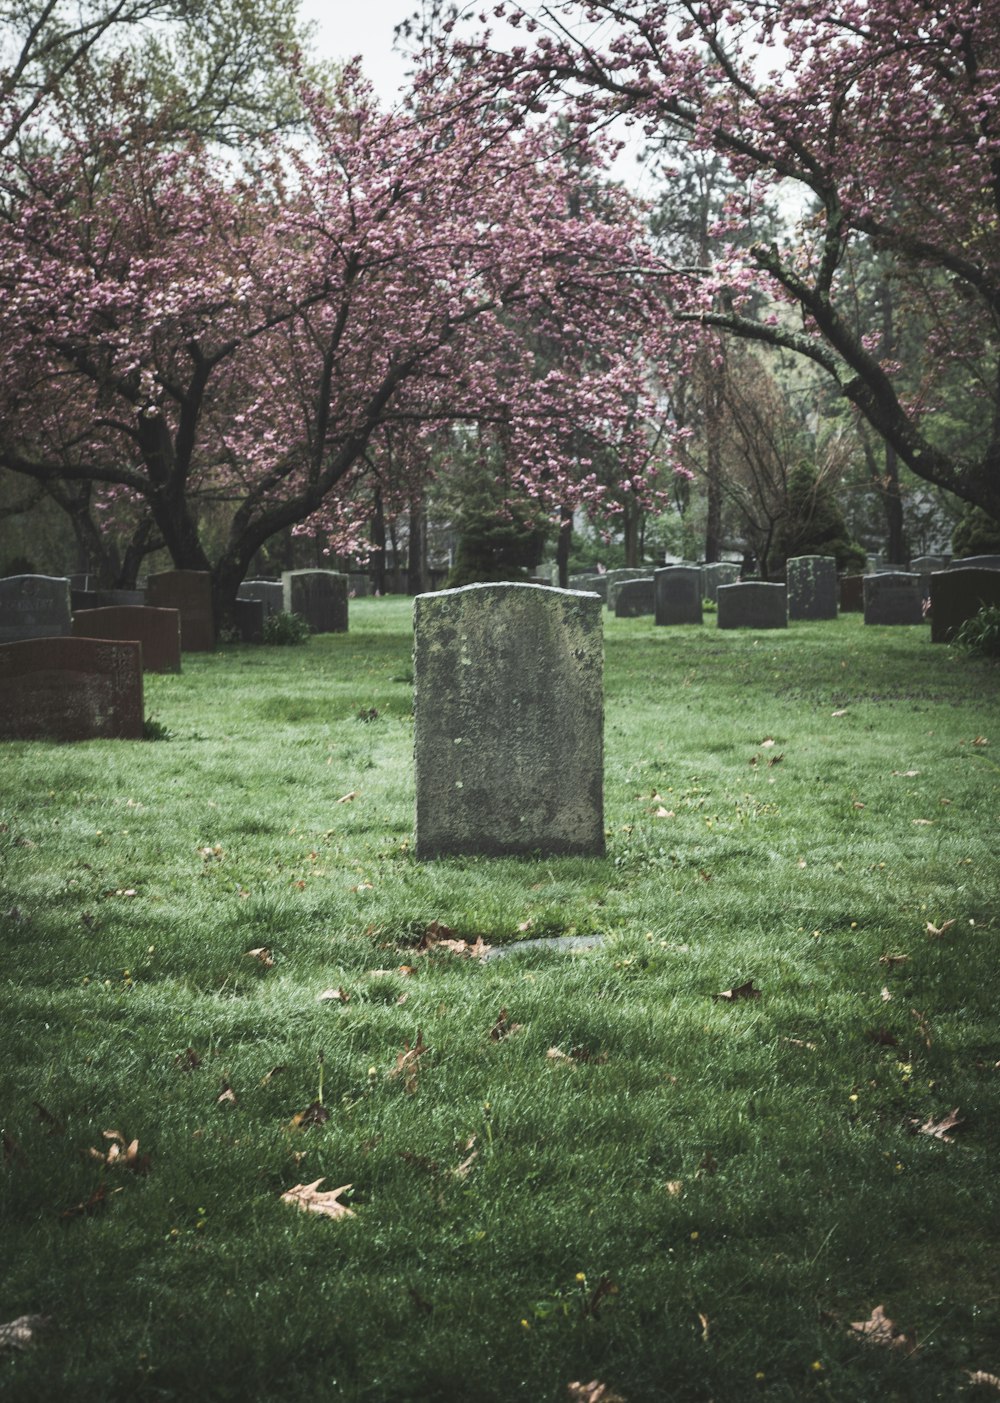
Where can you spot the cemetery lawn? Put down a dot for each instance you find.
(562, 1167)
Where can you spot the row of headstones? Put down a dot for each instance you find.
(509, 703)
(71, 669)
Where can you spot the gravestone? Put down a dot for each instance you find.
(616, 578)
(927, 564)
(812, 587)
(852, 598)
(633, 598)
(190, 592)
(248, 617)
(270, 592)
(70, 689)
(957, 595)
(106, 598)
(158, 630)
(592, 584)
(509, 721)
(716, 573)
(976, 562)
(752, 604)
(320, 596)
(894, 597)
(34, 606)
(678, 594)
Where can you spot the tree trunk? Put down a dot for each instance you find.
(376, 567)
(416, 568)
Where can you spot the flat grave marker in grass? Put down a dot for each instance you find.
(509, 710)
(70, 689)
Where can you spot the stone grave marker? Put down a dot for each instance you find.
(615, 578)
(270, 592)
(976, 562)
(248, 617)
(509, 721)
(752, 604)
(893, 597)
(158, 630)
(678, 594)
(716, 573)
(71, 689)
(320, 596)
(34, 606)
(106, 598)
(852, 599)
(190, 592)
(634, 598)
(957, 595)
(812, 587)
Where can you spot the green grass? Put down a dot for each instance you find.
(743, 1178)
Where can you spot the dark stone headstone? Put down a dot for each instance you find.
(615, 578)
(633, 598)
(270, 592)
(106, 598)
(190, 592)
(752, 604)
(320, 596)
(957, 595)
(894, 597)
(716, 573)
(976, 562)
(158, 630)
(678, 594)
(248, 616)
(70, 689)
(852, 597)
(34, 606)
(812, 587)
(509, 721)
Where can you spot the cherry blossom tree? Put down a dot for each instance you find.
(878, 120)
(206, 345)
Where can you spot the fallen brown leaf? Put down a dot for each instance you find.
(893, 960)
(839, 713)
(743, 991)
(503, 1027)
(20, 1333)
(347, 798)
(188, 1060)
(406, 1062)
(122, 1154)
(92, 1205)
(800, 1042)
(330, 996)
(661, 812)
(308, 1198)
(314, 1114)
(939, 930)
(263, 954)
(882, 1036)
(674, 1187)
(980, 740)
(708, 1166)
(979, 1376)
(938, 1129)
(226, 1096)
(923, 1028)
(878, 1329)
(594, 1392)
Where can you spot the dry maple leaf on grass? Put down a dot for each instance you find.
(938, 1129)
(878, 1329)
(503, 1027)
(19, 1333)
(594, 1392)
(122, 1154)
(743, 991)
(979, 1376)
(406, 1062)
(309, 1199)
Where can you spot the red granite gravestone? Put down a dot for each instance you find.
(852, 598)
(71, 689)
(190, 592)
(158, 630)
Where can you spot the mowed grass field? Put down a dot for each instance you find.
(224, 975)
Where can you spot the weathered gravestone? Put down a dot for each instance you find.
(976, 562)
(812, 587)
(894, 597)
(320, 596)
(270, 592)
(852, 597)
(716, 573)
(248, 618)
(678, 594)
(190, 592)
(591, 584)
(106, 598)
(509, 721)
(616, 577)
(957, 595)
(633, 598)
(927, 564)
(70, 689)
(34, 606)
(158, 630)
(752, 604)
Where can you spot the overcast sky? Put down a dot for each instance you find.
(348, 27)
